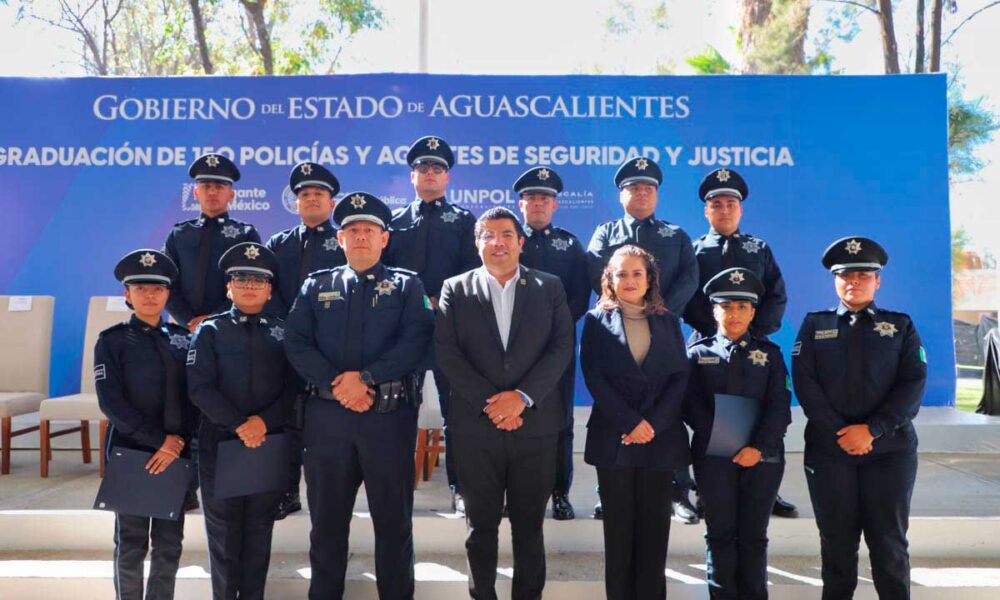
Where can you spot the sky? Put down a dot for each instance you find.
(570, 36)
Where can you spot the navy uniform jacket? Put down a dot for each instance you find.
(398, 326)
(219, 377)
(752, 253)
(182, 247)
(763, 377)
(895, 370)
(671, 247)
(435, 240)
(625, 393)
(129, 377)
(559, 252)
(287, 248)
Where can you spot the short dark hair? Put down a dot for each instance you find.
(495, 214)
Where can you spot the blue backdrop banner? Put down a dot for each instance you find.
(93, 168)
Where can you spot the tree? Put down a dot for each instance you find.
(772, 36)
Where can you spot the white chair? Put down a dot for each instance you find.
(82, 407)
(430, 426)
(24, 364)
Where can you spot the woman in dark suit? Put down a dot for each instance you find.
(634, 362)
(737, 486)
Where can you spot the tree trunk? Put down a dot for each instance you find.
(755, 14)
(889, 50)
(199, 34)
(918, 61)
(256, 12)
(935, 53)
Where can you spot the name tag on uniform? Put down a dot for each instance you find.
(327, 296)
(825, 334)
(708, 360)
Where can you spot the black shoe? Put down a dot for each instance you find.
(562, 510)
(457, 503)
(289, 503)
(599, 511)
(784, 508)
(685, 512)
(191, 501)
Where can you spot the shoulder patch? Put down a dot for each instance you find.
(923, 355)
(100, 373)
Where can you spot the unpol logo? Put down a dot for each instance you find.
(288, 199)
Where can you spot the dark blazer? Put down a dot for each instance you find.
(625, 393)
(471, 354)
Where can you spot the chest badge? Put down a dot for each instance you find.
(666, 231)
(330, 244)
(277, 333)
(758, 358)
(561, 245)
(449, 217)
(385, 287)
(181, 342)
(230, 231)
(885, 329)
(751, 246)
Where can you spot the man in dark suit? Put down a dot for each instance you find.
(504, 337)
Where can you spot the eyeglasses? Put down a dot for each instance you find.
(424, 169)
(249, 282)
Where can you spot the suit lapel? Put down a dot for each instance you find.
(520, 292)
(656, 345)
(617, 322)
(482, 294)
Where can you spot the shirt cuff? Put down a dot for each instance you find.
(527, 400)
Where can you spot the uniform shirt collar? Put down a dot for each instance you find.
(219, 219)
(630, 220)
(743, 341)
(712, 233)
(321, 228)
(842, 309)
(241, 317)
(547, 230)
(433, 205)
(371, 273)
(138, 323)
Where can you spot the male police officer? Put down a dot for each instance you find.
(195, 246)
(723, 192)
(859, 373)
(637, 180)
(310, 246)
(238, 376)
(435, 239)
(361, 334)
(554, 250)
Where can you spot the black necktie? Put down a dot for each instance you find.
(172, 416)
(423, 228)
(643, 233)
(734, 372)
(308, 251)
(354, 344)
(201, 275)
(728, 253)
(258, 357)
(856, 361)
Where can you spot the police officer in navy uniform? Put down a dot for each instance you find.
(139, 373)
(310, 246)
(638, 180)
(240, 379)
(557, 251)
(436, 240)
(195, 246)
(859, 373)
(723, 192)
(738, 491)
(360, 334)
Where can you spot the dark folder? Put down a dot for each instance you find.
(128, 488)
(734, 424)
(242, 471)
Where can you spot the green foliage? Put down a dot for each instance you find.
(960, 241)
(709, 62)
(970, 124)
(778, 43)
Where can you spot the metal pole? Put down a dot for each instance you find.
(422, 36)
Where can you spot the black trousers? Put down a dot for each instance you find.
(133, 537)
(239, 534)
(564, 451)
(683, 484)
(738, 503)
(295, 467)
(523, 471)
(636, 531)
(869, 496)
(342, 452)
(444, 398)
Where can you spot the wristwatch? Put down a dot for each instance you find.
(367, 379)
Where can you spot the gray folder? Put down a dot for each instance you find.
(735, 421)
(242, 471)
(130, 489)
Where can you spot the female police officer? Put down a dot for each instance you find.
(633, 361)
(238, 376)
(139, 373)
(737, 491)
(859, 374)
